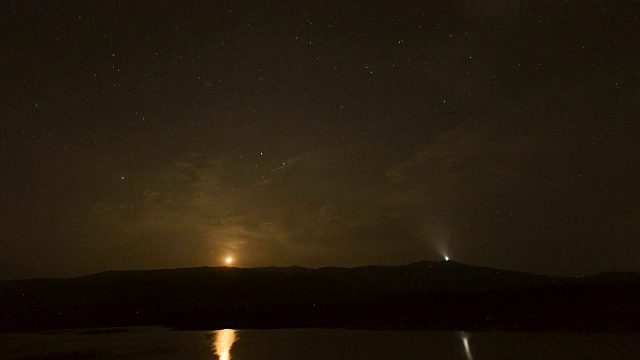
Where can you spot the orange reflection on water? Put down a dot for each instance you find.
(223, 342)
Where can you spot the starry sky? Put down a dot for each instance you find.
(142, 135)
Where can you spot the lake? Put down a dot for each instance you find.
(282, 344)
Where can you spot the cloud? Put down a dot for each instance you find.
(336, 209)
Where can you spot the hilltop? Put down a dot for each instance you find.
(427, 295)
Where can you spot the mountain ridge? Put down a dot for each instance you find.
(431, 295)
(294, 268)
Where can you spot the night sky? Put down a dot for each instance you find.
(148, 135)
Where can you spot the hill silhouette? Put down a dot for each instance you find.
(428, 295)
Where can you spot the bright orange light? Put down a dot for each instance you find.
(228, 260)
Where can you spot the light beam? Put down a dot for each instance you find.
(467, 349)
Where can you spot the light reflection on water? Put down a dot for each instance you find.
(223, 341)
(465, 343)
(317, 344)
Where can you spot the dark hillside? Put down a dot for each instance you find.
(434, 295)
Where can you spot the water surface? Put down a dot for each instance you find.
(283, 344)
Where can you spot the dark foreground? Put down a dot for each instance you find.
(425, 295)
(315, 344)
